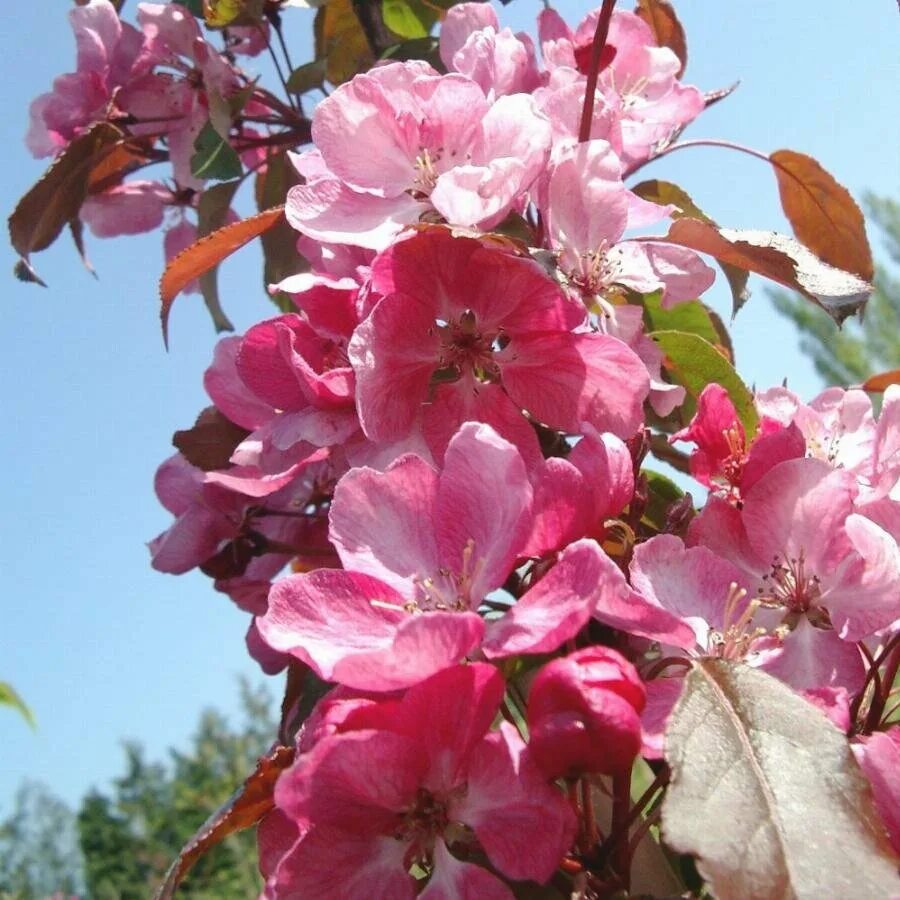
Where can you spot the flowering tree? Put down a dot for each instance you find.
(520, 661)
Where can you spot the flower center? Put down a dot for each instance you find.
(736, 638)
(466, 348)
(788, 584)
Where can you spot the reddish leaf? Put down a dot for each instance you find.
(212, 440)
(881, 382)
(121, 160)
(54, 201)
(209, 251)
(779, 258)
(661, 18)
(245, 808)
(822, 213)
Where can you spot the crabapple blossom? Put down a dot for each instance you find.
(419, 781)
(584, 714)
(403, 141)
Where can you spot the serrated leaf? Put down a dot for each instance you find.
(247, 806)
(779, 258)
(341, 41)
(41, 215)
(9, 697)
(206, 253)
(766, 794)
(306, 77)
(822, 213)
(694, 363)
(214, 158)
(408, 18)
(666, 28)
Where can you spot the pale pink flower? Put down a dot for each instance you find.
(878, 756)
(109, 57)
(401, 141)
(587, 210)
(459, 318)
(473, 44)
(412, 782)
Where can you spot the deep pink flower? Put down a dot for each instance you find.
(584, 714)
(879, 757)
(458, 316)
(421, 778)
(401, 140)
(723, 460)
(422, 551)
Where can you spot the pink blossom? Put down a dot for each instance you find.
(128, 208)
(179, 101)
(473, 44)
(723, 460)
(583, 714)
(587, 211)
(422, 778)
(401, 141)
(422, 551)
(108, 58)
(638, 79)
(879, 757)
(832, 574)
(458, 316)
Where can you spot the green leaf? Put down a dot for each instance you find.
(9, 697)
(214, 158)
(766, 793)
(662, 493)
(306, 77)
(426, 48)
(691, 317)
(408, 18)
(694, 363)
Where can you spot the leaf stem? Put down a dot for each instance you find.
(590, 90)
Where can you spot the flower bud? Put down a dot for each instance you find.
(584, 714)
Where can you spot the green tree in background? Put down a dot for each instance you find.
(131, 836)
(859, 349)
(39, 853)
(124, 838)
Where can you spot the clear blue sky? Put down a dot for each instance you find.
(102, 647)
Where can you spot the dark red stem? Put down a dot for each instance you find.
(600, 36)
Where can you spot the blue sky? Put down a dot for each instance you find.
(102, 647)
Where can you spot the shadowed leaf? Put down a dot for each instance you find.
(822, 213)
(245, 808)
(208, 445)
(214, 157)
(341, 41)
(661, 18)
(796, 813)
(54, 201)
(209, 251)
(212, 211)
(779, 258)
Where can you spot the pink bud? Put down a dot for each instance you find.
(584, 713)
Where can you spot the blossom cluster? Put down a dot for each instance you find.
(444, 443)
